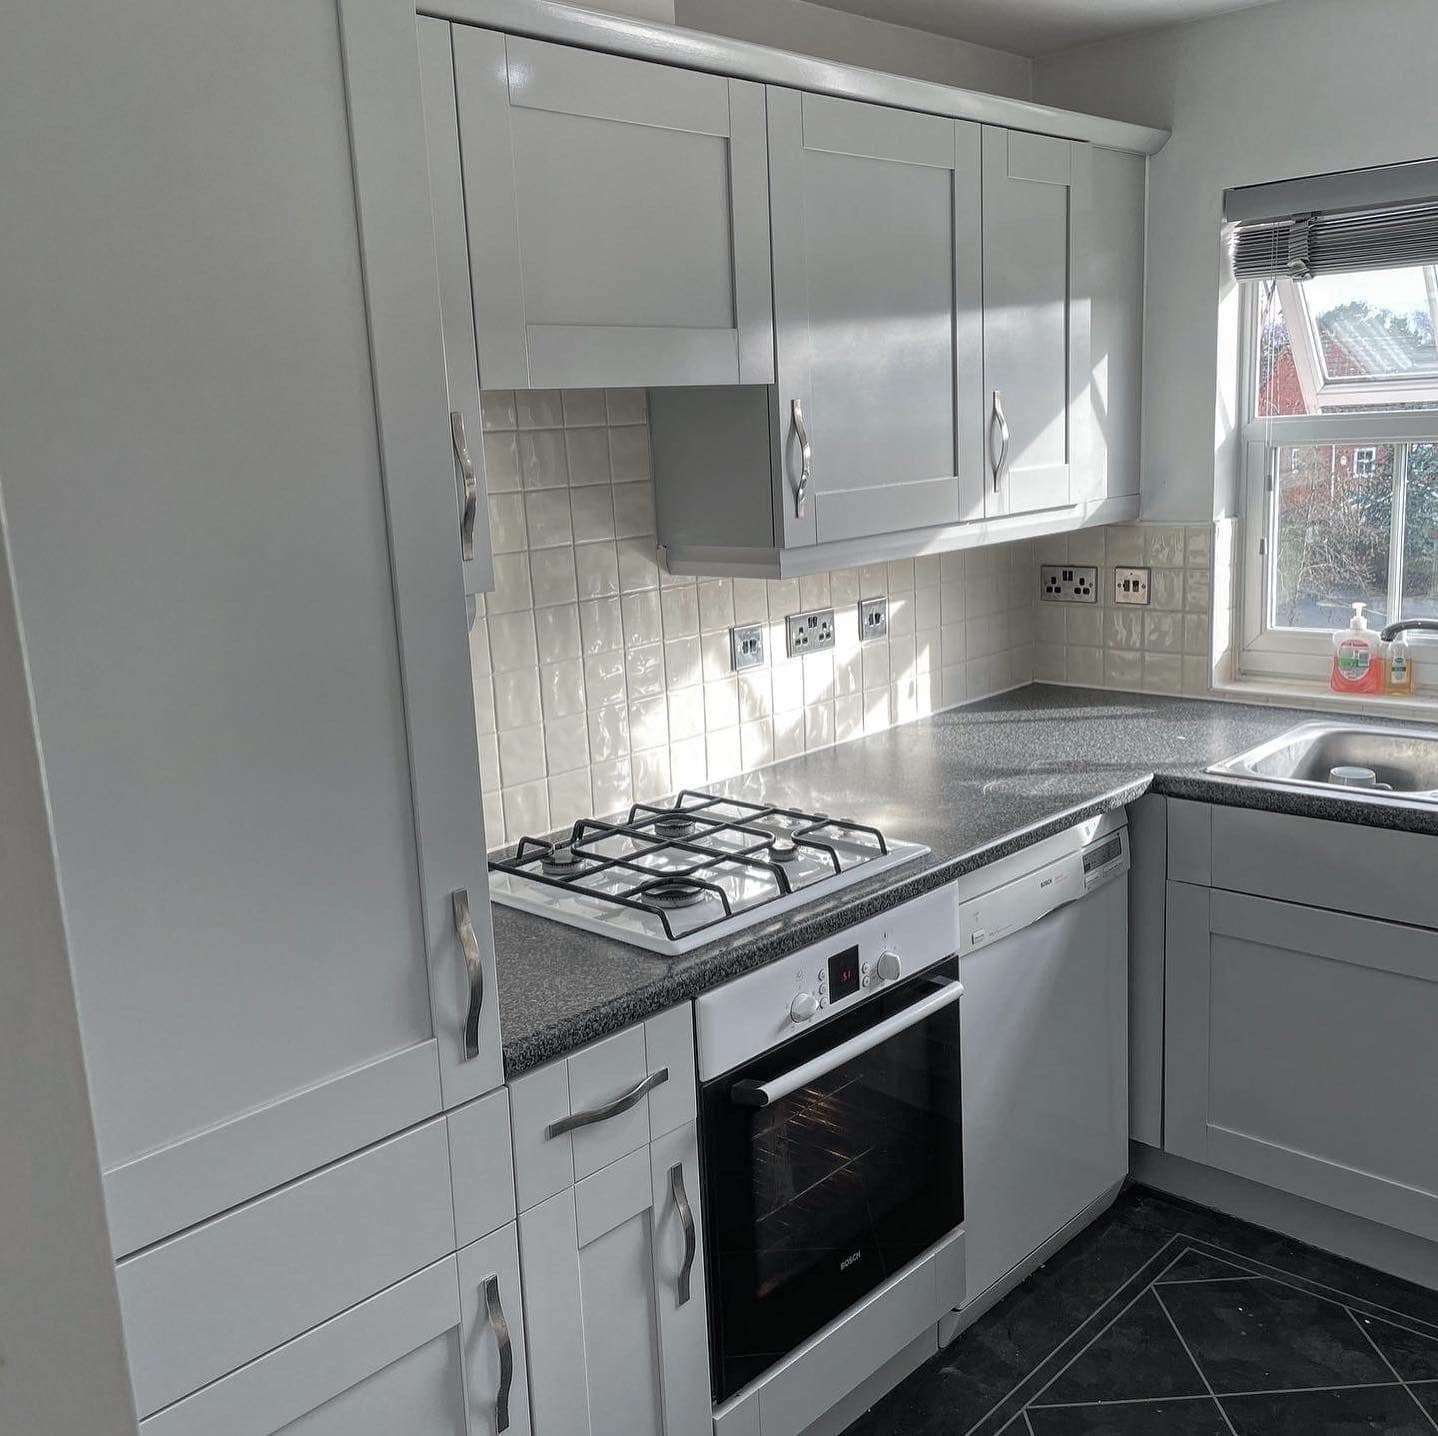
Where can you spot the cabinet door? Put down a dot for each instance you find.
(618, 1340)
(1036, 319)
(496, 1368)
(875, 216)
(1300, 1052)
(456, 303)
(618, 218)
(1045, 1079)
(243, 621)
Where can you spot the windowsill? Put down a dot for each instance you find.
(1294, 693)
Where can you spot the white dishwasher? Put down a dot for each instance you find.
(1044, 964)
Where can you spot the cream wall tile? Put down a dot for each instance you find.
(597, 567)
(601, 625)
(600, 680)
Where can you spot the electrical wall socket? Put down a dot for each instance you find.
(1068, 583)
(873, 619)
(746, 646)
(1131, 585)
(809, 632)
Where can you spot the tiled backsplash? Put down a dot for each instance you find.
(1167, 646)
(601, 681)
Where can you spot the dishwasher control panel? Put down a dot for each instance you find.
(1006, 909)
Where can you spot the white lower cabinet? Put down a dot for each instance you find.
(1045, 1080)
(425, 1357)
(615, 1298)
(1300, 1053)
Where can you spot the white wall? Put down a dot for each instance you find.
(661, 11)
(857, 40)
(1295, 88)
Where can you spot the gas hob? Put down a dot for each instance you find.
(675, 876)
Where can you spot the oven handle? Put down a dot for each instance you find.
(761, 1094)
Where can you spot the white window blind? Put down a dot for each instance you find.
(1301, 246)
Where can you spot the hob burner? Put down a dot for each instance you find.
(559, 861)
(783, 850)
(674, 825)
(674, 893)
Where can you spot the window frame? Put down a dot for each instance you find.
(1287, 654)
(1365, 461)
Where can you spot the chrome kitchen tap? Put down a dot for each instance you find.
(1409, 625)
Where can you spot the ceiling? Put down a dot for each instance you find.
(1037, 27)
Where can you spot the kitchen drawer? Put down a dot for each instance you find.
(204, 1303)
(590, 1080)
(481, 1166)
(383, 1366)
(1345, 867)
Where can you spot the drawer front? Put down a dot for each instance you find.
(205, 1303)
(598, 1079)
(1375, 872)
(481, 1166)
(385, 1366)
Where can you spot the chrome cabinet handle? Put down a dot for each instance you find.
(1003, 423)
(806, 459)
(471, 489)
(686, 1220)
(494, 1314)
(622, 1103)
(474, 970)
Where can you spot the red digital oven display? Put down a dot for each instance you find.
(843, 974)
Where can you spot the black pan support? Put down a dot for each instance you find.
(703, 808)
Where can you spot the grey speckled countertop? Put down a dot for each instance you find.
(972, 784)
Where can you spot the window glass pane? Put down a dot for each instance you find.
(1331, 534)
(1420, 536)
(1279, 389)
(1374, 324)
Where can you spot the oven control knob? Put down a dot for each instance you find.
(888, 967)
(803, 1007)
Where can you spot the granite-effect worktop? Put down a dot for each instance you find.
(973, 784)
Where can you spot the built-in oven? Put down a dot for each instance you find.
(832, 1156)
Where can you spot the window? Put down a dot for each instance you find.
(1342, 459)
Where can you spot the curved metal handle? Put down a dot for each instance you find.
(686, 1220)
(806, 459)
(494, 1314)
(1003, 423)
(622, 1103)
(471, 489)
(761, 1094)
(474, 970)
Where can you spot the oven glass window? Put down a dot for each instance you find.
(820, 1195)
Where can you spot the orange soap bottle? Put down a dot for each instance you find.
(1357, 657)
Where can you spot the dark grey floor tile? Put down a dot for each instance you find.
(1428, 1398)
(1265, 1336)
(1200, 1266)
(1138, 1418)
(1356, 1412)
(1414, 1357)
(1138, 1356)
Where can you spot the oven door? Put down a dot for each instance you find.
(829, 1164)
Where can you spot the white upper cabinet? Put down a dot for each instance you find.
(618, 218)
(1035, 319)
(875, 216)
(241, 603)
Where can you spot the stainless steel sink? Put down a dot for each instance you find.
(1404, 761)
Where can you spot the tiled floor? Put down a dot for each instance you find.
(1172, 1319)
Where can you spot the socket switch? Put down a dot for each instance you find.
(1131, 585)
(809, 632)
(873, 619)
(1068, 583)
(746, 646)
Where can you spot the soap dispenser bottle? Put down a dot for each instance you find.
(1398, 668)
(1357, 662)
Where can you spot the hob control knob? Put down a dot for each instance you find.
(803, 1007)
(888, 966)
